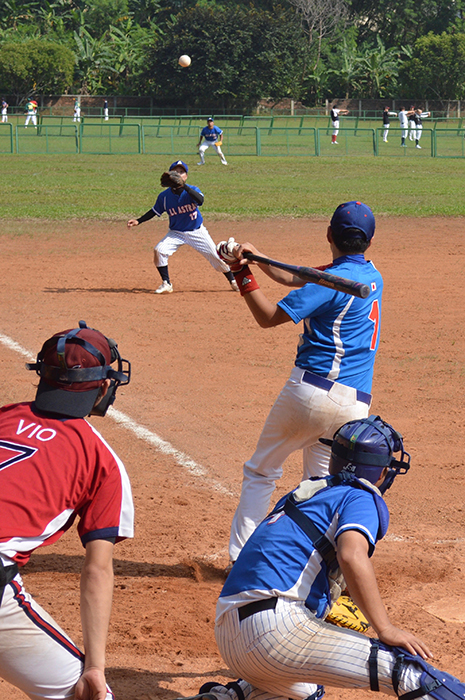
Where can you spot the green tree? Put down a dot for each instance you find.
(35, 66)
(94, 63)
(436, 69)
(238, 56)
(379, 67)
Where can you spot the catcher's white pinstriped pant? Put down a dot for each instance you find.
(199, 239)
(283, 653)
(35, 654)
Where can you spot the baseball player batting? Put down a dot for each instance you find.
(181, 202)
(55, 467)
(331, 381)
(270, 618)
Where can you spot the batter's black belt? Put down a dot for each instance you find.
(257, 606)
(327, 384)
(7, 574)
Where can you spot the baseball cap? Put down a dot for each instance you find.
(82, 349)
(354, 215)
(181, 163)
(209, 119)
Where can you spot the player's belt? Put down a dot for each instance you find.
(326, 384)
(255, 607)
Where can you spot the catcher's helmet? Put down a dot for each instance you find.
(365, 447)
(72, 366)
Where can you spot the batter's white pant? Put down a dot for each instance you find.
(284, 653)
(31, 117)
(300, 416)
(35, 654)
(203, 147)
(199, 239)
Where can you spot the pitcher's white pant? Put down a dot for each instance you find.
(35, 654)
(301, 414)
(203, 147)
(30, 117)
(283, 653)
(199, 239)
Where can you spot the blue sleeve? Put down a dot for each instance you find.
(309, 300)
(359, 512)
(160, 205)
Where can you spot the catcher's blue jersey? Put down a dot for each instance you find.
(211, 135)
(341, 332)
(183, 212)
(279, 559)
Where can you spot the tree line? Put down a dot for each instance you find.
(241, 51)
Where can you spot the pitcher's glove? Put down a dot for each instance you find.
(345, 613)
(172, 179)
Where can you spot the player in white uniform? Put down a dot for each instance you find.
(77, 111)
(335, 112)
(270, 618)
(213, 137)
(403, 120)
(411, 123)
(105, 110)
(4, 111)
(55, 467)
(331, 381)
(185, 228)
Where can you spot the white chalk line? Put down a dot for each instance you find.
(141, 432)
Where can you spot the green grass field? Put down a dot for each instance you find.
(122, 186)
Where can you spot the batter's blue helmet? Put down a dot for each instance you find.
(365, 447)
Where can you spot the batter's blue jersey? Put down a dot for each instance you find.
(279, 559)
(182, 210)
(341, 332)
(211, 135)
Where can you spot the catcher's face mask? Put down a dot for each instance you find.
(72, 366)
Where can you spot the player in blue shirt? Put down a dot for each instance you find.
(331, 381)
(213, 137)
(185, 228)
(270, 622)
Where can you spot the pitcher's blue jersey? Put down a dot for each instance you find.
(183, 212)
(211, 135)
(341, 332)
(279, 559)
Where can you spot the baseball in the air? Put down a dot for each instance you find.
(184, 61)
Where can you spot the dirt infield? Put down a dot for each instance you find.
(204, 378)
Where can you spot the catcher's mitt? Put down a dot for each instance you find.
(172, 179)
(345, 613)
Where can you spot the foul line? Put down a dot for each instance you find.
(141, 433)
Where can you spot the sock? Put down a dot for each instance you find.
(229, 275)
(164, 273)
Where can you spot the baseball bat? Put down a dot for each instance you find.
(310, 274)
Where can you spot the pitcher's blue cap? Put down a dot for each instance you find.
(181, 163)
(354, 215)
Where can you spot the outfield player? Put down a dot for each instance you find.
(31, 113)
(4, 111)
(418, 117)
(77, 111)
(55, 467)
(270, 617)
(213, 137)
(105, 110)
(331, 381)
(386, 122)
(411, 123)
(335, 112)
(185, 228)
(403, 120)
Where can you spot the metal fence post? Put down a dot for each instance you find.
(258, 146)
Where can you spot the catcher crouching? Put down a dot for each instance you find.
(271, 626)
